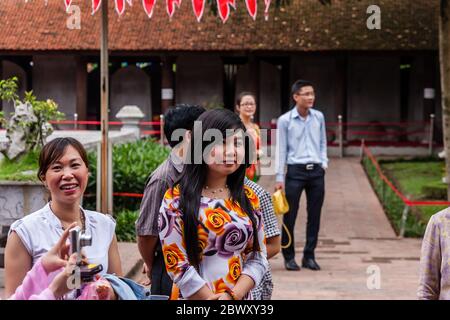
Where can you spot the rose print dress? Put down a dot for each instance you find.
(225, 236)
(252, 172)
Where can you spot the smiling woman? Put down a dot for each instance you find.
(64, 170)
(211, 227)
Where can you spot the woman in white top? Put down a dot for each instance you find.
(64, 170)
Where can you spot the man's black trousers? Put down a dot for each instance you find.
(161, 282)
(299, 178)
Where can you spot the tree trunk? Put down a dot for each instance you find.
(444, 55)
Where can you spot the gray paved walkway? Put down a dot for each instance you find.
(355, 235)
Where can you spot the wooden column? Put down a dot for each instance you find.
(444, 56)
(104, 117)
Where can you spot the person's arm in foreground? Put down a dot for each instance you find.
(17, 263)
(147, 224)
(430, 262)
(37, 284)
(114, 264)
(183, 274)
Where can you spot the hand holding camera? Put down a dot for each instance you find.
(78, 240)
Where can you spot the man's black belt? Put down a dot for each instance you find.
(307, 166)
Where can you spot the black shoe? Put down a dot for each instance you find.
(291, 265)
(310, 263)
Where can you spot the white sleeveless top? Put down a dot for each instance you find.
(40, 230)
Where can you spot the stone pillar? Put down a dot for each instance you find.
(167, 83)
(130, 117)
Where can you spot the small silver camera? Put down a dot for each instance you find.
(78, 240)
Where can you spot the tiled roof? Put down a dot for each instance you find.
(305, 25)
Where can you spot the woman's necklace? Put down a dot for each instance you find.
(214, 192)
(82, 219)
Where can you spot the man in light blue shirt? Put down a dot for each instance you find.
(302, 146)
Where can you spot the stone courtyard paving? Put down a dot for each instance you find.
(355, 240)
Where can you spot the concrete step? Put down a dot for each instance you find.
(130, 258)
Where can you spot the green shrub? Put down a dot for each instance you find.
(125, 230)
(435, 190)
(132, 164)
(393, 205)
(22, 169)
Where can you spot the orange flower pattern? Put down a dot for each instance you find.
(173, 258)
(234, 206)
(251, 195)
(225, 234)
(220, 286)
(216, 219)
(234, 267)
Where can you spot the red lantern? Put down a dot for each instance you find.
(198, 7)
(120, 6)
(96, 5)
(67, 3)
(170, 6)
(149, 5)
(252, 8)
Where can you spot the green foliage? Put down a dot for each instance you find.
(411, 175)
(435, 190)
(392, 204)
(45, 111)
(8, 92)
(22, 169)
(419, 179)
(125, 227)
(36, 130)
(132, 164)
(8, 89)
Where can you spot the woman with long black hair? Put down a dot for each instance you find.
(210, 224)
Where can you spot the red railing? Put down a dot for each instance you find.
(412, 133)
(406, 201)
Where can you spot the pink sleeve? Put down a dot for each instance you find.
(35, 285)
(47, 294)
